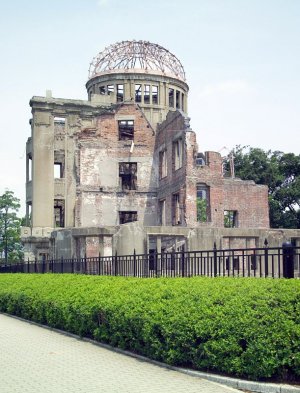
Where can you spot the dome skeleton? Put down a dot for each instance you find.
(134, 55)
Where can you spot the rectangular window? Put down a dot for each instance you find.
(200, 159)
(128, 175)
(29, 167)
(125, 217)
(102, 90)
(59, 213)
(182, 102)
(230, 218)
(110, 89)
(178, 106)
(171, 98)
(177, 154)
(163, 164)
(58, 170)
(154, 94)
(126, 130)
(202, 201)
(120, 93)
(176, 211)
(138, 93)
(146, 94)
(162, 212)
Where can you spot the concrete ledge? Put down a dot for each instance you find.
(253, 386)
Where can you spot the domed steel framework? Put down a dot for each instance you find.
(136, 55)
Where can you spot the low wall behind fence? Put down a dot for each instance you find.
(251, 262)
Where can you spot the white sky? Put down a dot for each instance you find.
(241, 57)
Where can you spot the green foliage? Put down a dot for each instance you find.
(281, 173)
(201, 210)
(10, 244)
(242, 327)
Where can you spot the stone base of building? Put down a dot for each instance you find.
(134, 237)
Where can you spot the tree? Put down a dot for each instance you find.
(10, 244)
(281, 173)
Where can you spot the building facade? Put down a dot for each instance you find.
(122, 170)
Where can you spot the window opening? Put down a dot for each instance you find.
(110, 89)
(120, 93)
(58, 170)
(154, 94)
(102, 90)
(125, 217)
(138, 93)
(177, 99)
(176, 209)
(146, 94)
(59, 213)
(177, 154)
(126, 129)
(182, 102)
(230, 218)
(162, 164)
(29, 168)
(171, 98)
(200, 160)
(202, 201)
(128, 175)
(162, 212)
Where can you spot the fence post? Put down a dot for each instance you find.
(215, 259)
(266, 258)
(182, 264)
(134, 263)
(99, 262)
(28, 265)
(85, 264)
(116, 264)
(43, 262)
(35, 264)
(62, 264)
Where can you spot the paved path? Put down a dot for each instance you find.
(37, 360)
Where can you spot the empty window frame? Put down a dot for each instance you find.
(58, 170)
(182, 102)
(120, 93)
(171, 98)
(138, 93)
(128, 175)
(162, 212)
(230, 219)
(29, 167)
(154, 94)
(102, 90)
(126, 129)
(59, 213)
(202, 202)
(163, 170)
(178, 106)
(59, 164)
(176, 211)
(200, 159)
(177, 154)
(146, 94)
(127, 216)
(110, 89)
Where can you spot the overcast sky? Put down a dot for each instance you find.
(241, 57)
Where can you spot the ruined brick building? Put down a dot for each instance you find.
(122, 170)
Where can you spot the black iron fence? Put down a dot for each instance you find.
(251, 262)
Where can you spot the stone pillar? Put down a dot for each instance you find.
(43, 170)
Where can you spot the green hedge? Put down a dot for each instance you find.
(241, 327)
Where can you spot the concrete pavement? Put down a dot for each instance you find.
(38, 360)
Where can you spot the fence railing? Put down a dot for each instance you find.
(251, 262)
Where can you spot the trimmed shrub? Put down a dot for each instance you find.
(237, 326)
